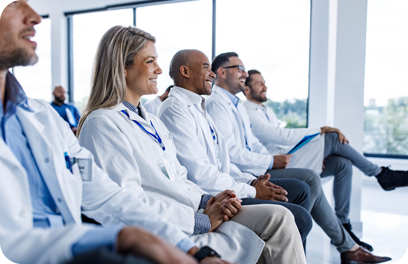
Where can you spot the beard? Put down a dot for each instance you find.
(11, 56)
(258, 97)
(59, 99)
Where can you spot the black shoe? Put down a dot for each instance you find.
(356, 239)
(390, 179)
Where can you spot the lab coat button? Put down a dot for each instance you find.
(189, 188)
(47, 160)
(59, 200)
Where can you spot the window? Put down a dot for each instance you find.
(272, 37)
(386, 82)
(36, 79)
(177, 26)
(88, 29)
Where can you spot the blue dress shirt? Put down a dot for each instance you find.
(46, 212)
(62, 111)
(235, 100)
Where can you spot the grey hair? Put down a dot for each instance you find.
(116, 51)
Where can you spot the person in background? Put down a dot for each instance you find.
(152, 106)
(336, 156)
(68, 112)
(251, 156)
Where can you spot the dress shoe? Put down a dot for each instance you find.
(355, 238)
(390, 179)
(361, 256)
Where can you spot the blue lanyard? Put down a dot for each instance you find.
(157, 137)
(266, 114)
(213, 133)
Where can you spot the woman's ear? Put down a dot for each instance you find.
(125, 73)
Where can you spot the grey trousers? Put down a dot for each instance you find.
(320, 208)
(340, 159)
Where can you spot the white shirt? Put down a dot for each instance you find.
(229, 119)
(198, 142)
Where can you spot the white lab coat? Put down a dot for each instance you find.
(131, 158)
(280, 140)
(183, 115)
(228, 120)
(100, 198)
(153, 105)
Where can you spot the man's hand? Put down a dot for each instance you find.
(342, 138)
(220, 211)
(74, 130)
(225, 195)
(268, 191)
(141, 243)
(323, 165)
(281, 161)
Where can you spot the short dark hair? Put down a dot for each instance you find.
(169, 88)
(249, 79)
(221, 60)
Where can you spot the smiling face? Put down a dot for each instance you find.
(235, 79)
(201, 75)
(141, 77)
(257, 89)
(16, 30)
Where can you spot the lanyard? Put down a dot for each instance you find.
(213, 134)
(157, 137)
(266, 114)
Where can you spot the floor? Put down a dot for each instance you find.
(385, 223)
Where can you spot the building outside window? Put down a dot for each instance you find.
(386, 79)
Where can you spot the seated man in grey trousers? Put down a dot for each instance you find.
(335, 154)
(249, 155)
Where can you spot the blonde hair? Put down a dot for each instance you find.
(116, 51)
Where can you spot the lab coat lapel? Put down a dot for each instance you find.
(40, 143)
(237, 116)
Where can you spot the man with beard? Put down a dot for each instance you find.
(68, 112)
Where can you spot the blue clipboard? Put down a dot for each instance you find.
(303, 142)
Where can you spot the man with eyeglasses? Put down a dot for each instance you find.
(250, 156)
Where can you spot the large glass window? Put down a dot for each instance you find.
(272, 37)
(177, 26)
(88, 29)
(36, 79)
(386, 79)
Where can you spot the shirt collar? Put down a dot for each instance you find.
(15, 96)
(234, 99)
(194, 98)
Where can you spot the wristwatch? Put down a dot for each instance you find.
(205, 252)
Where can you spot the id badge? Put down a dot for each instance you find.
(84, 166)
(217, 156)
(166, 168)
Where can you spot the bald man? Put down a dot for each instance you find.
(68, 112)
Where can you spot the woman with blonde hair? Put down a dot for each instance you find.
(138, 153)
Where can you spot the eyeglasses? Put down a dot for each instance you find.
(241, 68)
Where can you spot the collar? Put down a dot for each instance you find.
(131, 113)
(188, 97)
(234, 99)
(15, 93)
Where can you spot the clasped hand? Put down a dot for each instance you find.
(222, 207)
(266, 190)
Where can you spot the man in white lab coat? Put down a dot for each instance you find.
(249, 155)
(47, 178)
(202, 150)
(339, 156)
(153, 105)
